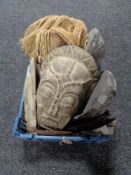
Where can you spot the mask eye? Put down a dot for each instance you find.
(46, 92)
(69, 101)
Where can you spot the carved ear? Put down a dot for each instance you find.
(95, 45)
(101, 96)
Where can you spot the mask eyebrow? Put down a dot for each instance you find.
(71, 91)
(49, 84)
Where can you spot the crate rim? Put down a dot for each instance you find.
(32, 137)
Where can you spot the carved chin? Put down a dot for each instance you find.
(46, 121)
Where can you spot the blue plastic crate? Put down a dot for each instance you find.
(20, 133)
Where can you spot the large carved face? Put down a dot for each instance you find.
(64, 82)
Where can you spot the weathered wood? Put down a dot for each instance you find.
(67, 75)
(30, 97)
(101, 97)
(95, 45)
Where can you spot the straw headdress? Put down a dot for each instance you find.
(53, 31)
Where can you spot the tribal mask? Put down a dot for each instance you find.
(67, 75)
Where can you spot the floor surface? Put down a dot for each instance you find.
(17, 157)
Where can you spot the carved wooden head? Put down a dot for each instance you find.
(66, 76)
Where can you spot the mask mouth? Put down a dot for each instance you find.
(53, 122)
(47, 123)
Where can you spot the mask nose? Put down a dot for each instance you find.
(53, 111)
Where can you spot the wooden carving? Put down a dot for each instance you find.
(101, 97)
(30, 97)
(67, 74)
(95, 45)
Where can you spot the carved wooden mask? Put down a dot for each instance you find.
(66, 75)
